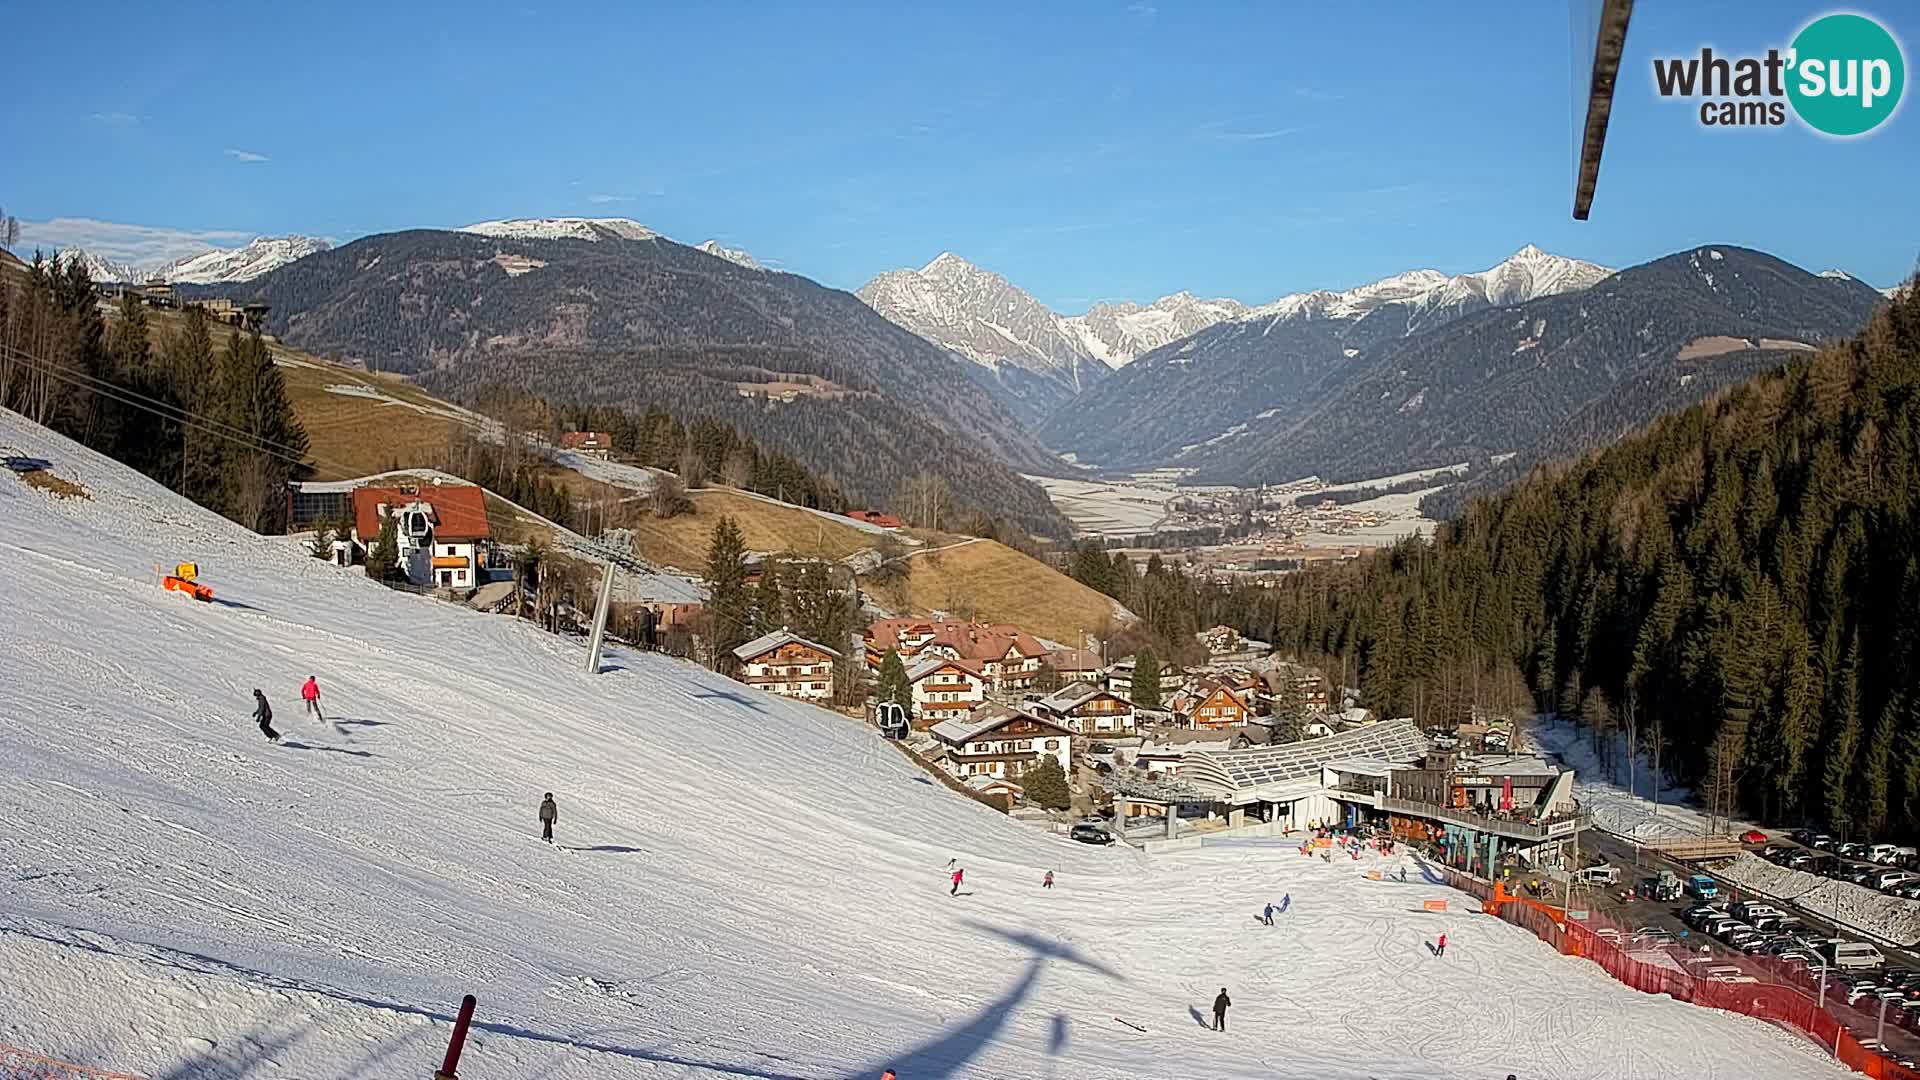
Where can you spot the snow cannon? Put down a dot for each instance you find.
(185, 579)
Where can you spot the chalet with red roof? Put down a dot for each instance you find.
(591, 444)
(1008, 657)
(441, 529)
(1003, 743)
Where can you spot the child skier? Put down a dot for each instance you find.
(1047, 882)
(310, 693)
(1441, 949)
(263, 715)
(959, 873)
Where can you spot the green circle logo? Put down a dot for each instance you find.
(1847, 75)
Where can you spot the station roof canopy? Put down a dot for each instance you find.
(1250, 774)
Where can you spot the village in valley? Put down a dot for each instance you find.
(1062, 735)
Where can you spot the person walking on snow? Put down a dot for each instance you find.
(1441, 949)
(1267, 915)
(1047, 882)
(263, 715)
(549, 813)
(959, 873)
(1220, 1010)
(310, 693)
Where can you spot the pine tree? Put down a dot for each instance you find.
(383, 557)
(192, 371)
(729, 607)
(892, 682)
(1146, 679)
(769, 605)
(1045, 785)
(256, 405)
(321, 546)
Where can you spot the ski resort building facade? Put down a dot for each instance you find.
(441, 529)
(1477, 811)
(1088, 710)
(944, 689)
(1002, 742)
(1008, 657)
(789, 665)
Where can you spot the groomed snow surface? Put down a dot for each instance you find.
(747, 887)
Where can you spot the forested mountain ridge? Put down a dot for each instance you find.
(1509, 380)
(1737, 582)
(810, 371)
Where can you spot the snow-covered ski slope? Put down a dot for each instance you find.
(747, 887)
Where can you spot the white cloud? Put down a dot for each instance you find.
(247, 156)
(602, 199)
(1219, 131)
(115, 119)
(141, 245)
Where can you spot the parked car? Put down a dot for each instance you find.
(1753, 836)
(1855, 955)
(1800, 860)
(1853, 851)
(1906, 856)
(1888, 880)
(1881, 853)
(1088, 832)
(1702, 886)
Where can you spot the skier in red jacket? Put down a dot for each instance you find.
(311, 694)
(957, 875)
(1442, 949)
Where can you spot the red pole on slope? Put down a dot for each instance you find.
(458, 1042)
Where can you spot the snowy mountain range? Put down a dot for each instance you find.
(564, 228)
(1119, 334)
(1431, 296)
(214, 266)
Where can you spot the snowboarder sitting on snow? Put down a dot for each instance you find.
(1220, 1010)
(263, 715)
(957, 875)
(549, 813)
(311, 694)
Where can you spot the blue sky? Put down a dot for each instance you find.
(1086, 151)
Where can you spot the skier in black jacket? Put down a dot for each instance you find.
(1220, 1010)
(263, 714)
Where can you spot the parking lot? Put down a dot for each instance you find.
(1699, 951)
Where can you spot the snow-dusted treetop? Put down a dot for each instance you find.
(565, 228)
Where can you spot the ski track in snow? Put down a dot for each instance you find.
(746, 887)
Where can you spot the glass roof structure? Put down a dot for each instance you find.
(1240, 772)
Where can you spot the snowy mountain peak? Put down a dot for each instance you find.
(1526, 275)
(983, 317)
(1838, 275)
(565, 228)
(102, 270)
(262, 255)
(736, 256)
(210, 267)
(1118, 334)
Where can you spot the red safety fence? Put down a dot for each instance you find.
(1768, 988)
(19, 1064)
